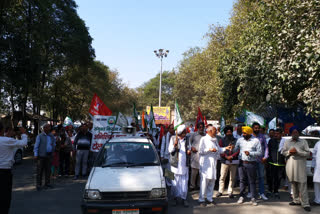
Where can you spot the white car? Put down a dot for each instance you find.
(311, 142)
(126, 178)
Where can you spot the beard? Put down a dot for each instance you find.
(256, 132)
(247, 137)
(295, 137)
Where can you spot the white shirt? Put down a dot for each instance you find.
(208, 159)
(316, 162)
(182, 167)
(8, 147)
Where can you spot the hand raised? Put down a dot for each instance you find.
(247, 153)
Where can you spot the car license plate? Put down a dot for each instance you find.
(125, 211)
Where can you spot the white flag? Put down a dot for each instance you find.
(272, 124)
(177, 119)
(252, 117)
(121, 120)
(67, 122)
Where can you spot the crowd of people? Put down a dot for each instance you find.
(201, 159)
(62, 152)
(247, 155)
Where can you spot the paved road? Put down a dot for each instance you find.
(65, 198)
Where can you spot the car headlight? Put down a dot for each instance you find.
(92, 194)
(158, 193)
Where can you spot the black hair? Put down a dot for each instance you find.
(278, 130)
(255, 124)
(200, 123)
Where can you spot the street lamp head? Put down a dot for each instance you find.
(167, 51)
(160, 50)
(155, 51)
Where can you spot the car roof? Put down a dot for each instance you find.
(305, 137)
(135, 139)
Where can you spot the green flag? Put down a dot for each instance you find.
(135, 114)
(177, 119)
(152, 123)
(121, 120)
(222, 125)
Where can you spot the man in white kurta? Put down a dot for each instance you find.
(315, 168)
(297, 151)
(209, 152)
(179, 188)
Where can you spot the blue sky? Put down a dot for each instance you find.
(126, 32)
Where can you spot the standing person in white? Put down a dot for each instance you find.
(179, 149)
(8, 147)
(315, 168)
(164, 152)
(209, 152)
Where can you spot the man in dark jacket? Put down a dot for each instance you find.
(276, 163)
(43, 153)
(229, 162)
(82, 143)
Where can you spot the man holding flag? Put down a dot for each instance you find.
(179, 149)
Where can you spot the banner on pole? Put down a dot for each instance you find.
(103, 126)
(161, 114)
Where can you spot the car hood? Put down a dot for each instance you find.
(110, 179)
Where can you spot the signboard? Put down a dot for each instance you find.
(101, 131)
(161, 114)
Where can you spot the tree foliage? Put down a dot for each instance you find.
(47, 62)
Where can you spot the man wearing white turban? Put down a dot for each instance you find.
(179, 150)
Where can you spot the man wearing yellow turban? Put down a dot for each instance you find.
(249, 148)
(247, 130)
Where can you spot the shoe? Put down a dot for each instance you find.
(211, 202)
(240, 201)
(185, 203)
(203, 204)
(48, 186)
(315, 203)
(219, 194)
(308, 209)
(231, 196)
(191, 189)
(276, 195)
(294, 204)
(66, 176)
(174, 202)
(249, 195)
(75, 177)
(263, 197)
(38, 188)
(254, 202)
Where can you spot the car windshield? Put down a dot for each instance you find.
(128, 154)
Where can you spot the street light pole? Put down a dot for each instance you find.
(160, 54)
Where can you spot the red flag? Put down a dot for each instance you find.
(98, 107)
(199, 119)
(205, 120)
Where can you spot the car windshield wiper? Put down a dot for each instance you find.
(143, 164)
(116, 164)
